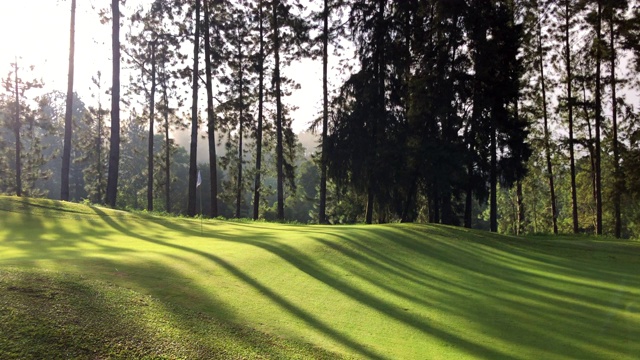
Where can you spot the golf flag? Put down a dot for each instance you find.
(199, 179)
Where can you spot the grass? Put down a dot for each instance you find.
(88, 282)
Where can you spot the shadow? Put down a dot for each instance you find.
(310, 267)
(272, 295)
(500, 296)
(43, 236)
(475, 293)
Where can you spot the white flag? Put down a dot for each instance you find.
(199, 179)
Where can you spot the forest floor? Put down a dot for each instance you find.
(80, 281)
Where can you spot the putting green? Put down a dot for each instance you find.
(399, 291)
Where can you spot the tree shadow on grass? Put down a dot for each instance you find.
(536, 304)
(516, 301)
(221, 339)
(45, 232)
(557, 305)
(282, 302)
(310, 266)
(61, 316)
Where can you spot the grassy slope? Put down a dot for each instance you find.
(255, 289)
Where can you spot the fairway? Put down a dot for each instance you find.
(254, 289)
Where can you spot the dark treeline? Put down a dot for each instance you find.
(513, 116)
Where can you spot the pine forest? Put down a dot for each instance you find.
(513, 116)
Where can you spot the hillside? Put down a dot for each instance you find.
(87, 282)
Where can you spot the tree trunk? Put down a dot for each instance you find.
(369, 213)
(521, 215)
(493, 179)
(380, 117)
(614, 115)
(574, 196)
(322, 217)
(436, 206)
(240, 133)
(99, 147)
(408, 215)
(114, 149)
(211, 121)
(167, 150)
(193, 166)
(598, 121)
(468, 204)
(152, 108)
(256, 194)
(279, 140)
(16, 131)
(66, 152)
(547, 145)
(592, 157)
(448, 215)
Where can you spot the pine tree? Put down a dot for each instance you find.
(93, 146)
(18, 113)
(114, 143)
(260, 125)
(211, 117)
(594, 18)
(66, 154)
(329, 35)
(547, 141)
(193, 168)
(614, 11)
(289, 33)
(567, 14)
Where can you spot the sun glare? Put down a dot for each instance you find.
(36, 33)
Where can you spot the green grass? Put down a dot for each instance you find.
(88, 282)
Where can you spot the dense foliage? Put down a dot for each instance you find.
(515, 116)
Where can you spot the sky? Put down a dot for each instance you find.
(36, 32)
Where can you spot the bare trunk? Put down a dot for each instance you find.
(279, 140)
(211, 121)
(468, 204)
(521, 215)
(380, 117)
(547, 146)
(322, 217)
(16, 131)
(256, 195)
(598, 104)
(574, 196)
(240, 135)
(99, 147)
(66, 152)
(592, 160)
(408, 215)
(370, 199)
(193, 149)
(114, 149)
(167, 150)
(616, 153)
(152, 108)
(493, 179)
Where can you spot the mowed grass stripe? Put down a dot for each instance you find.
(386, 291)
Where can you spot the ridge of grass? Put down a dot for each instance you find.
(262, 290)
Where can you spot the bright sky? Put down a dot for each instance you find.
(37, 32)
